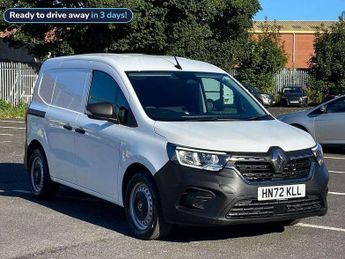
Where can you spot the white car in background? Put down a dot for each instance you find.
(325, 122)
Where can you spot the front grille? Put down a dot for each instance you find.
(264, 171)
(262, 209)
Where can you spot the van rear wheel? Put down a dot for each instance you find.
(42, 187)
(143, 212)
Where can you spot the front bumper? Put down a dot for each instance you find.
(191, 196)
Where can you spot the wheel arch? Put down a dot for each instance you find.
(300, 126)
(34, 144)
(130, 171)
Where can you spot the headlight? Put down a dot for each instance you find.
(318, 153)
(266, 97)
(200, 159)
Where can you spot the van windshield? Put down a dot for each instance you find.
(182, 96)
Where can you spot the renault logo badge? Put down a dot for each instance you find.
(279, 160)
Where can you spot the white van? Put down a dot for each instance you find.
(172, 140)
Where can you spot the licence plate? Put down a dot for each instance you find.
(281, 192)
(294, 101)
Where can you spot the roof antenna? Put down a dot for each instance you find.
(178, 66)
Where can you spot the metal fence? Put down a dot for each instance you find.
(288, 77)
(17, 81)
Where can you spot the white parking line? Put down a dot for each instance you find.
(6, 134)
(320, 227)
(336, 172)
(15, 128)
(334, 157)
(337, 193)
(9, 121)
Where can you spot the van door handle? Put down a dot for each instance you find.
(80, 130)
(67, 127)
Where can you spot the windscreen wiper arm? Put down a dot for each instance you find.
(260, 117)
(206, 118)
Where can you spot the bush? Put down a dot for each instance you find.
(315, 96)
(327, 66)
(7, 110)
(262, 58)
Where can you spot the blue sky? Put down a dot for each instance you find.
(300, 9)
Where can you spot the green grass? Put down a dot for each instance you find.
(8, 111)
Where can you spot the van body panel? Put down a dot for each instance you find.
(236, 136)
(61, 143)
(97, 155)
(138, 147)
(85, 190)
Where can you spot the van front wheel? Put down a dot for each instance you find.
(42, 187)
(143, 212)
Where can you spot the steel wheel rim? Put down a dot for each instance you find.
(141, 206)
(36, 174)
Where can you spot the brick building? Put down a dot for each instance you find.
(298, 39)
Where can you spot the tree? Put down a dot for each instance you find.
(327, 66)
(209, 30)
(262, 57)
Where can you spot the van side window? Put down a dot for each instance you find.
(46, 88)
(69, 89)
(105, 89)
(336, 106)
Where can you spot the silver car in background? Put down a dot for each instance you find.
(325, 122)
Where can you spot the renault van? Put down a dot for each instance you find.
(172, 140)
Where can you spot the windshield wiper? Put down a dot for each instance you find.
(207, 118)
(260, 117)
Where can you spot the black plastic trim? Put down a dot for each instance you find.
(80, 130)
(67, 127)
(37, 113)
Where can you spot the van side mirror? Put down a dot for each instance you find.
(323, 108)
(101, 111)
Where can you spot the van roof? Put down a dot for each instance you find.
(139, 62)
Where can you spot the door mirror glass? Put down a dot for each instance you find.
(101, 111)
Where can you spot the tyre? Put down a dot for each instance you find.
(42, 187)
(143, 211)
